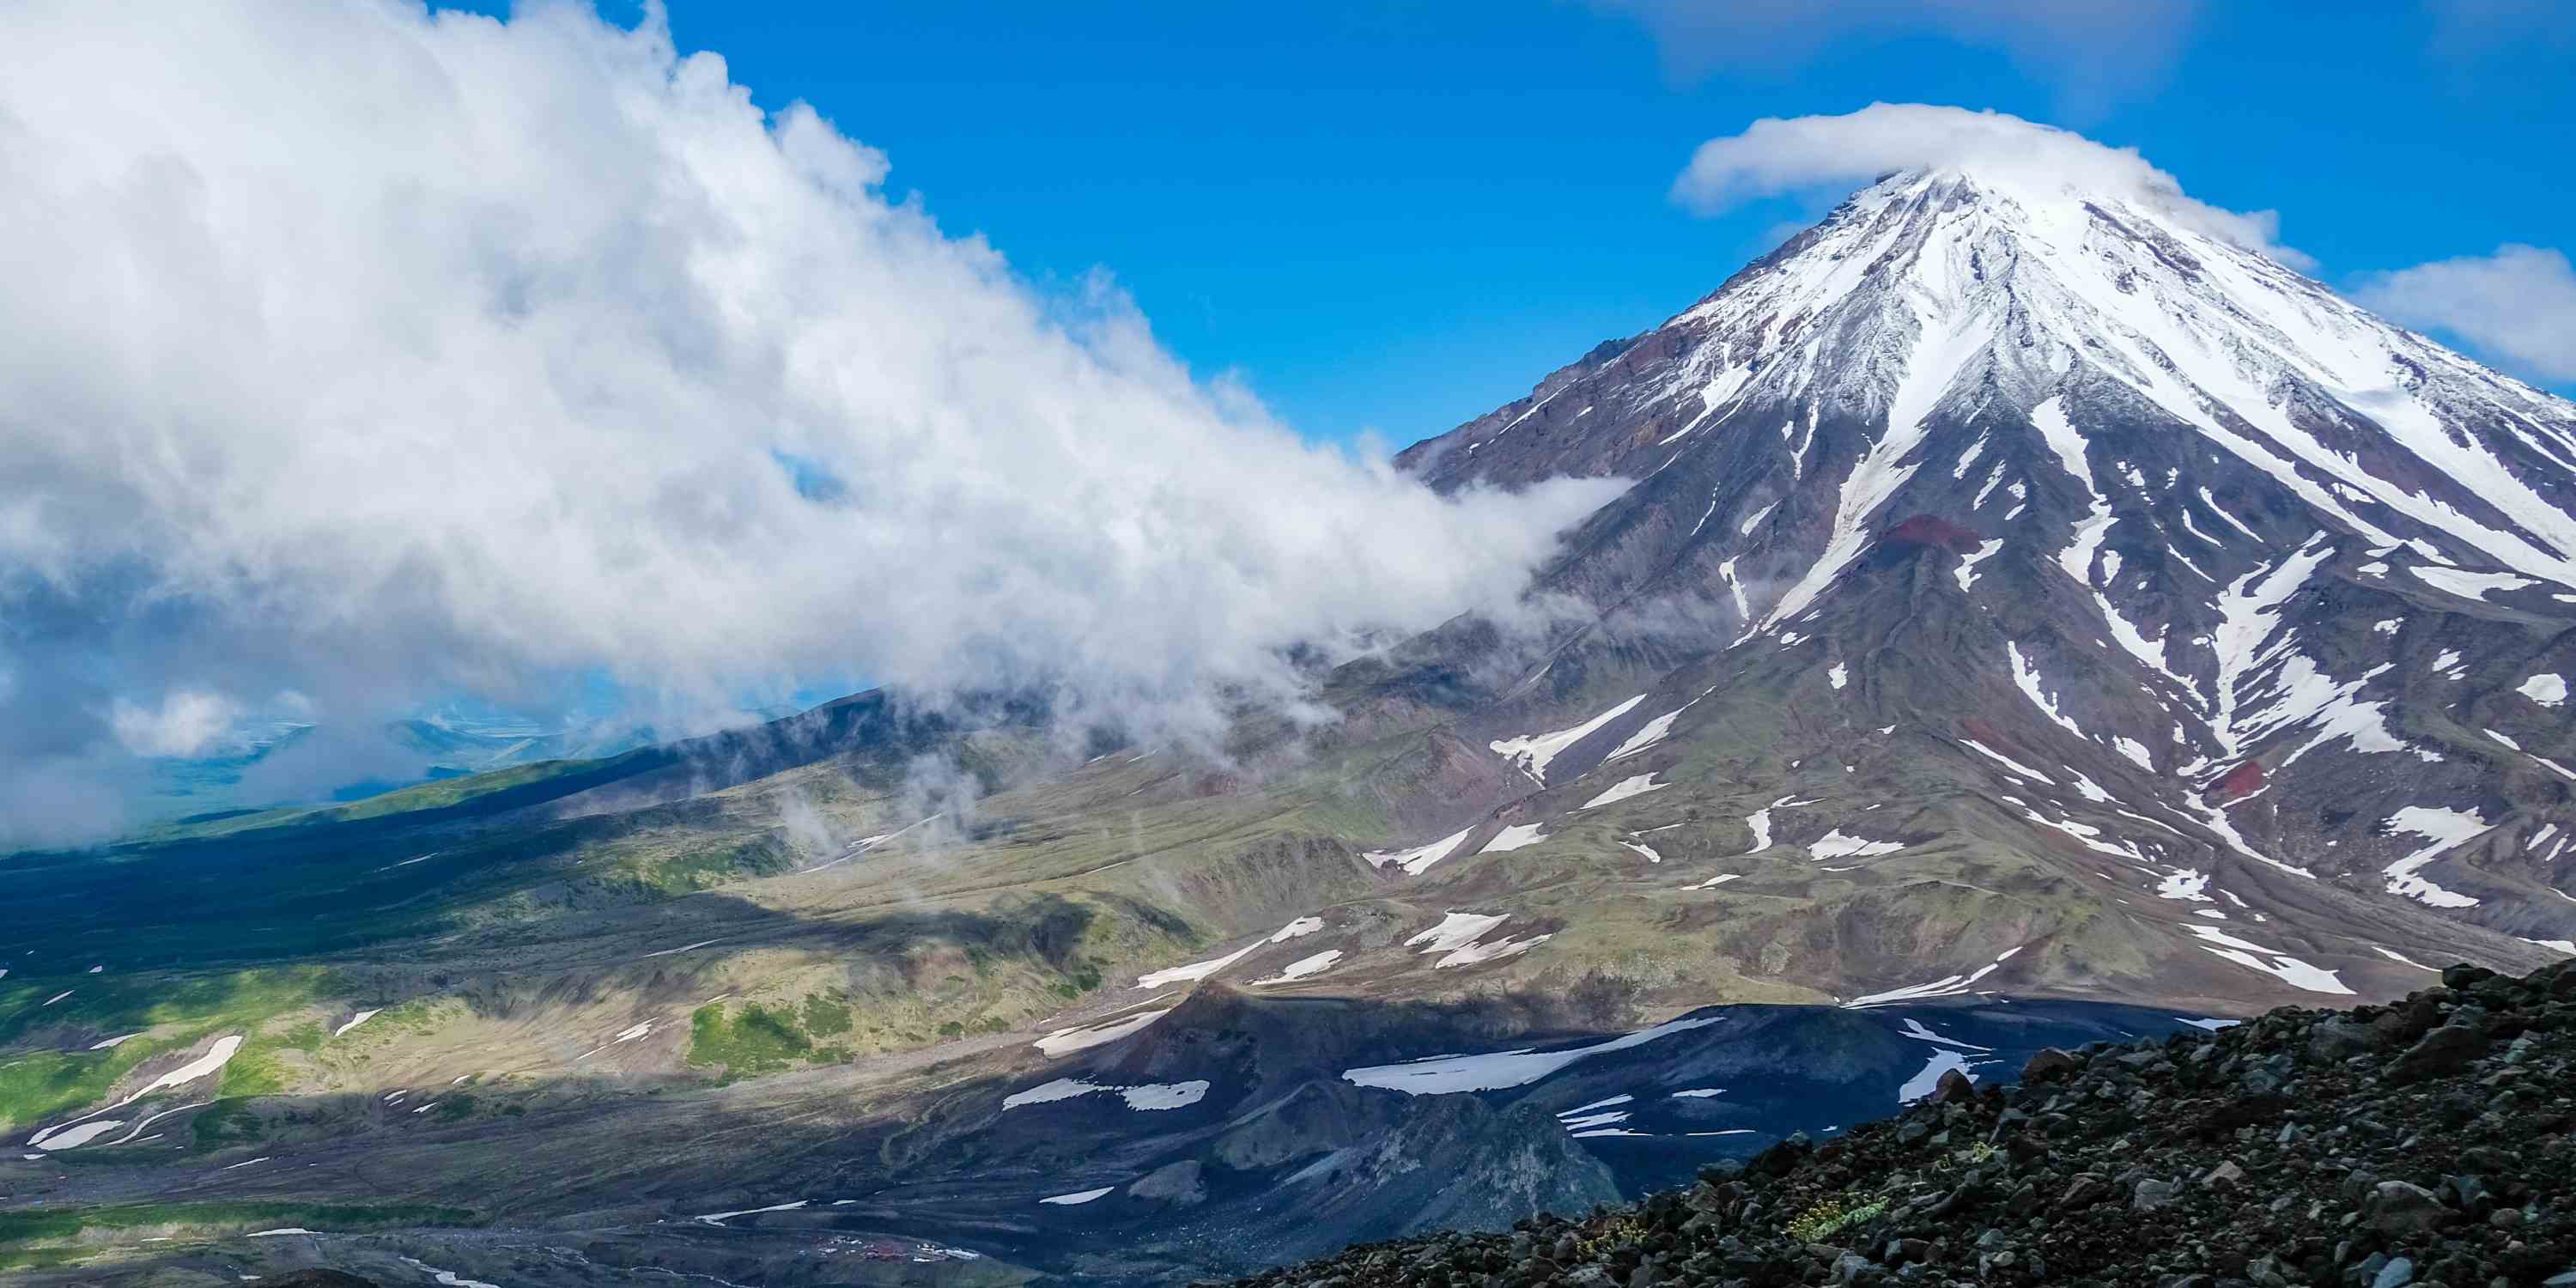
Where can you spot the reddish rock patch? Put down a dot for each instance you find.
(1931, 530)
(2241, 782)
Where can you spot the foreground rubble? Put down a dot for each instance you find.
(2421, 1143)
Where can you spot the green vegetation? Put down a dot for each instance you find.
(251, 1072)
(34, 1086)
(174, 1013)
(446, 792)
(52, 1225)
(227, 1122)
(826, 1017)
(1832, 1216)
(754, 1042)
(657, 875)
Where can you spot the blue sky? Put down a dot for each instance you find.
(1400, 215)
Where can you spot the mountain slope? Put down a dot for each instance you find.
(2162, 563)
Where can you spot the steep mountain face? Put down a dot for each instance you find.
(1987, 514)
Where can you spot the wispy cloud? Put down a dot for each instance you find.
(2092, 52)
(2464, 29)
(380, 354)
(2518, 305)
(186, 723)
(1776, 156)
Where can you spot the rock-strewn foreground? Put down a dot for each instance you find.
(2424, 1142)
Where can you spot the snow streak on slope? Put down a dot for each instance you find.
(1939, 351)
(1533, 752)
(1625, 788)
(2444, 829)
(1415, 860)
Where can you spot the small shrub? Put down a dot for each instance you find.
(1626, 1227)
(1832, 1216)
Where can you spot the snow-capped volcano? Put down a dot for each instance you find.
(2176, 560)
(1944, 295)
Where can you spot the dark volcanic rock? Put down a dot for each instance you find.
(2289, 1150)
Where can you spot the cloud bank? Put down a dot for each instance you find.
(1776, 156)
(362, 354)
(2091, 50)
(2519, 304)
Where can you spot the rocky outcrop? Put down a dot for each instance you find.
(2422, 1143)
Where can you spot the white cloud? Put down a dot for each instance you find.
(2091, 50)
(186, 723)
(378, 353)
(2518, 304)
(1776, 156)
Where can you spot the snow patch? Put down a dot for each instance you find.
(1946, 986)
(1067, 1041)
(1456, 940)
(2445, 829)
(2467, 585)
(1193, 972)
(1305, 966)
(1298, 929)
(719, 1218)
(1518, 836)
(2289, 970)
(1166, 1095)
(1534, 752)
(75, 1137)
(1622, 790)
(1966, 572)
(1415, 860)
(1928, 1078)
(1452, 1074)
(2007, 761)
(2546, 689)
(1837, 844)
